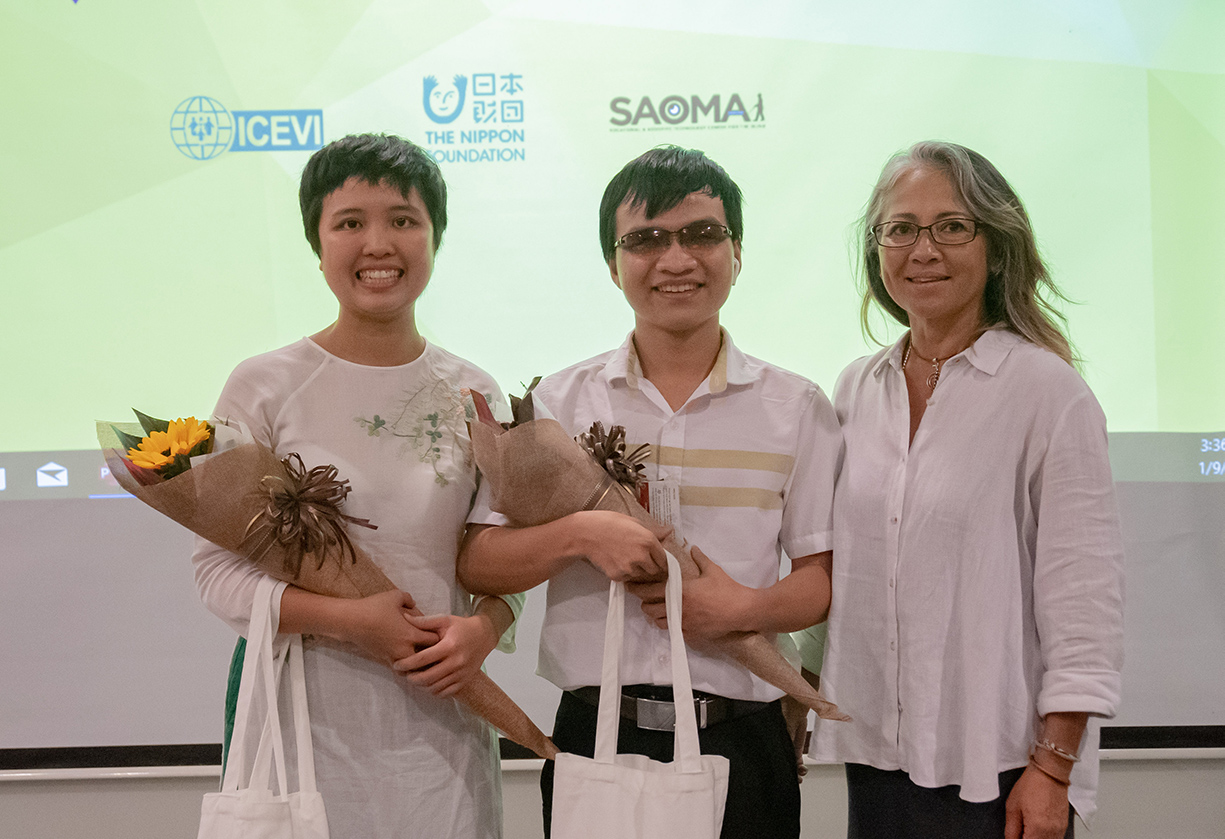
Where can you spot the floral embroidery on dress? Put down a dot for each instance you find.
(430, 420)
(470, 406)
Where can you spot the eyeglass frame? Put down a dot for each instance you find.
(675, 236)
(930, 228)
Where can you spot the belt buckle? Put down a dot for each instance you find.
(660, 715)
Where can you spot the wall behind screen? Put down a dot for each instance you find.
(135, 274)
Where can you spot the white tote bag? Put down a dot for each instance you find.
(614, 796)
(247, 807)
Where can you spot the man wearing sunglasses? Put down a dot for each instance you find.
(742, 462)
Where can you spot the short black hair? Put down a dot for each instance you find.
(661, 179)
(375, 159)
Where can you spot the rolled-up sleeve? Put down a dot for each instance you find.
(1078, 567)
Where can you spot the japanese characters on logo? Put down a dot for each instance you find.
(478, 118)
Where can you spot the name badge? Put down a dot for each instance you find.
(664, 503)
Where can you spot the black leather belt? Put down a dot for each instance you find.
(651, 707)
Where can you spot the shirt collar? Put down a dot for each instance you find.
(991, 348)
(891, 357)
(731, 366)
(987, 353)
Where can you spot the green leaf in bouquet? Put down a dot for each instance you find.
(151, 424)
(521, 408)
(205, 446)
(129, 441)
(178, 466)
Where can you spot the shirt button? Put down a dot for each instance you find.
(893, 645)
(893, 520)
(890, 582)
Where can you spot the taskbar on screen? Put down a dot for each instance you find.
(1158, 456)
(56, 475)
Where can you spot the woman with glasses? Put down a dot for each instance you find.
(976, 620)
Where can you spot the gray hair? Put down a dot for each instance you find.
(1017, 278)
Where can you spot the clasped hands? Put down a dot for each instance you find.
(436, 652)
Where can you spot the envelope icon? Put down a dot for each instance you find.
(51, 475)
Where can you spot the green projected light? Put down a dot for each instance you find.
(170, 269)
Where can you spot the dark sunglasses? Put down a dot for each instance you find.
(697, 236)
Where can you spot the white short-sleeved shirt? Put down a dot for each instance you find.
(391, 759)
(978, 571)
(755, 451)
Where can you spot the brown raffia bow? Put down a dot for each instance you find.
(303, 513)
(608, 449)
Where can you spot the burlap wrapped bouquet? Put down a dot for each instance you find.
(537, 473)
(287, 520)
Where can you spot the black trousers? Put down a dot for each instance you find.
(888, 805)
(763, 791)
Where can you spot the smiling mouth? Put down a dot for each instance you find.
(379, 277)
(678, 288)
(922, 280)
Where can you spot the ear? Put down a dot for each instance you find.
(612, 271)
(735, 261)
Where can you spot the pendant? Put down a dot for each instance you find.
(932, 379)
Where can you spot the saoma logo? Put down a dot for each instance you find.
(202, 128)
(675, 109)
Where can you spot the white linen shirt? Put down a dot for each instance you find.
(755, 450)
(977, 572)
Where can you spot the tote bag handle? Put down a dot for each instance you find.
(262, 669)
(686, 751)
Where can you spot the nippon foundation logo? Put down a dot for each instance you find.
(476, 117)
(202, 128)
(687, 111)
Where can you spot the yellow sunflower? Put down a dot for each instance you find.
(167, 451)
(186, 434)
(153, 451)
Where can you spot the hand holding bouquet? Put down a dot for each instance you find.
(537, 473)
(276, 513)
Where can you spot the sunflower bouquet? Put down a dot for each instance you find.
(221, 484)
(167, 447)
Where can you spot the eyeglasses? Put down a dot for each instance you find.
(903, 234)
(700, 235)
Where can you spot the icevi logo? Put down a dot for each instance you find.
(675, 109)
(298, 130)
(202, 128)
